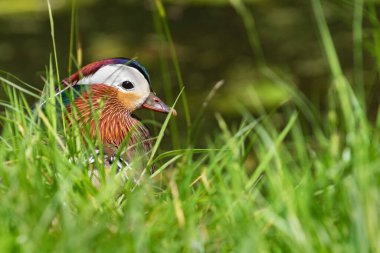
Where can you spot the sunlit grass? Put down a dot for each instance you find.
(291, 180)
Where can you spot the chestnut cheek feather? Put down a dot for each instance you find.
(115, 122)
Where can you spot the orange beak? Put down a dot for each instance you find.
(155, 104)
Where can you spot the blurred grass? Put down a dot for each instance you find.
(291, 180)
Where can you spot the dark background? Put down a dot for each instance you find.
(209, 37)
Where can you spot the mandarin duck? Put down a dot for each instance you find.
(115, 87)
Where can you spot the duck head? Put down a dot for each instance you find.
(127, 77)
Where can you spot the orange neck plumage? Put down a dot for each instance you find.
(115, 123)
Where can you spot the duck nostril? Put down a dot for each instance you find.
(156, 100)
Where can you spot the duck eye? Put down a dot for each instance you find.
(127, 85)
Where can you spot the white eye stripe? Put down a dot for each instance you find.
(115, 74)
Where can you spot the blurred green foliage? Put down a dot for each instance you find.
(209, 37)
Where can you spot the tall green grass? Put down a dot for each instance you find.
(299, 181)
